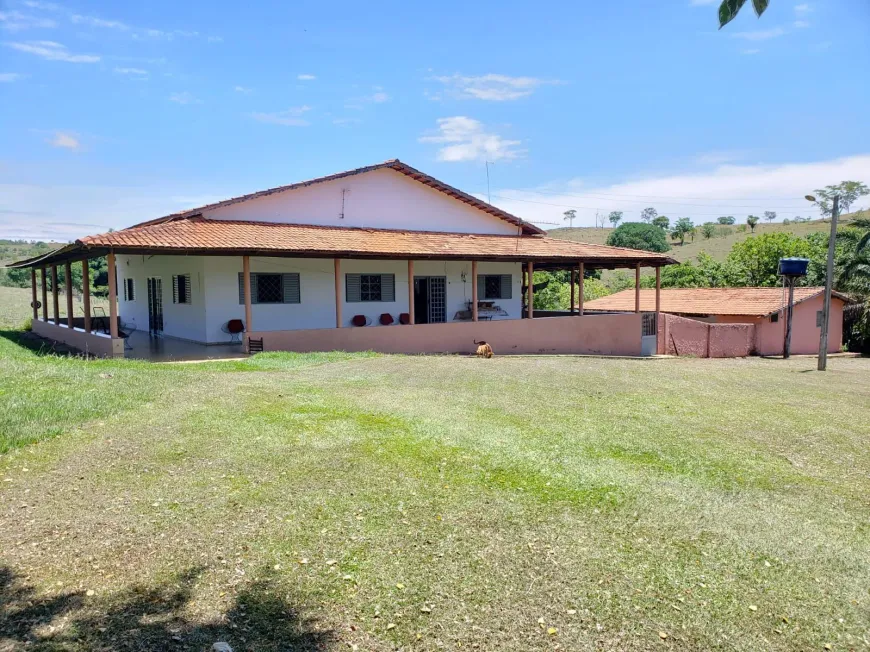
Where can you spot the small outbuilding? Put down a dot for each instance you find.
(762, 308)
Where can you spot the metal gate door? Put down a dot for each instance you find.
(437, 299)
(155, 306)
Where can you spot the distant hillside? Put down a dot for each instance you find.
(15, 250)
(718, 246)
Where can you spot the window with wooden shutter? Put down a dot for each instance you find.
(181, 289)
(370, 287)
(272, 288)
(494, 286)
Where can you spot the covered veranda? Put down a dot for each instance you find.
(104, 336)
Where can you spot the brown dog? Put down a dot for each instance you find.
(484, 350)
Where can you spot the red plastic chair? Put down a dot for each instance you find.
(359, 320)
(405, 319)
(387, 319)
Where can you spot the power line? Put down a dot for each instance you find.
(599, 208)
(663, 197)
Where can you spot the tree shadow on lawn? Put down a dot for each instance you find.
(150, 618)
(30, 341)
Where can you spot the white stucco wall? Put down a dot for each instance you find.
(215, 292)
(185, 321)
(383, 199)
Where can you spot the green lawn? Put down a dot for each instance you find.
(327, 501)
(15, 307)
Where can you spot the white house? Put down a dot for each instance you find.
(356, 260)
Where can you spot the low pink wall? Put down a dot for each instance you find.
(96, 344)
(691, 337)
(617, 334)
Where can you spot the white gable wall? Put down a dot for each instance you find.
(381, 199)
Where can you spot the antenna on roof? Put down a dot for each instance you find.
(488, 196)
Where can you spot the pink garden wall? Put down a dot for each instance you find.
(691, 337)
(732, 336)
(612, 334)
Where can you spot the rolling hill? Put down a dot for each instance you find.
(718, 246)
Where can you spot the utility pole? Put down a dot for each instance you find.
(829, 279)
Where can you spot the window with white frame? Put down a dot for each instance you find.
(181, 288)
(370, 287)
(272, 288)
(494, 286)
(129, 290)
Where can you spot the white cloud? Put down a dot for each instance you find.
(37, 4)
(306, 77)
(215, 39)
(760, 34)
(243, 89)
(65, 140)
(14, 21)
(738, 190)
(380, 98)
(750, 51)
(184, 98)
(53, 51)
(492, 87)
(346, 122)
(7, 77)
(132, 72)
(92, 21)
(292, 117)
(801, 24)
(699, 3)
(802, 9)
(466, 139)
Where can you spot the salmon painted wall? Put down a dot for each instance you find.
(612, 334)
(805, 334)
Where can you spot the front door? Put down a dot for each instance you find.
(155, 306)
(430, 294)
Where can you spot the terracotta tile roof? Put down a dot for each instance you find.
(198, 235)
(758, 302)
(393, 164)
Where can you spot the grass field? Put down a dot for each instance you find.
(717, 247)
(15, 306)
(334, 501)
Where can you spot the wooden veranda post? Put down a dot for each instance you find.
(54, 300)
(44, 294)
(530, 272)
(86, 294)
(637, 288)
(473, 290)
(113, 296)
(411, 292)
(67, 270)
(572, 291)
(246, 285)
(582, 278)
(33, 292)
(337, 264)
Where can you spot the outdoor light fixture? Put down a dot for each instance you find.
(810, 198)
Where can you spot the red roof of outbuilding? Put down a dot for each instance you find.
(757, 302)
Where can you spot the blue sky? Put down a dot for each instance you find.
(111, 113)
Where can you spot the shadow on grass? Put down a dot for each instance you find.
(150, 618)
(30, 341)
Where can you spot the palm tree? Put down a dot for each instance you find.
(854, 272)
